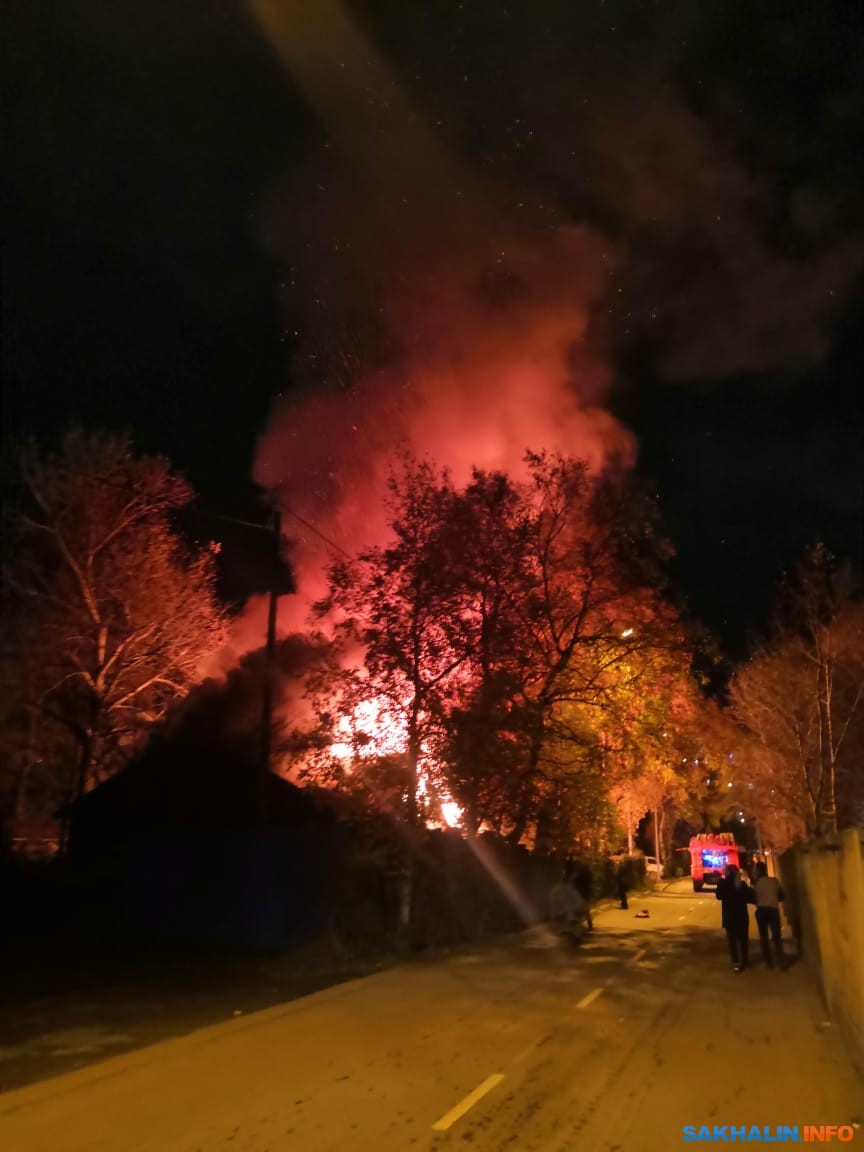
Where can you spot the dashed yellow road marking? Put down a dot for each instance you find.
(450, 1118)
(590, 998)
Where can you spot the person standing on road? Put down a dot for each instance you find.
(768, 897)
(583, 883)
(621, 885)
(735, 895)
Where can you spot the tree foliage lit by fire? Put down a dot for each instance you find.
(500, 652)
(508, 660)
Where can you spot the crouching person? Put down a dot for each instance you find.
(568, 909)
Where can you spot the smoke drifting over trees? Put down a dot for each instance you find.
(480, 367)
(461, 283)
(457, 230)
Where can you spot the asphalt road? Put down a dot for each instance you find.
(532, 1046)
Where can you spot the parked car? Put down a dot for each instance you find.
(653, 868)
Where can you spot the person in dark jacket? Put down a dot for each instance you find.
(621, 884)
(735, 895)
(583, 881)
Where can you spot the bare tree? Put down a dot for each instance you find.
(800, 697)
(114, 612)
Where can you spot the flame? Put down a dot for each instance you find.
(372, 730)
(452, 813)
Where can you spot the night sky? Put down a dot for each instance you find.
(193, 229)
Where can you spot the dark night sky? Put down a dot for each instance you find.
(715, 145)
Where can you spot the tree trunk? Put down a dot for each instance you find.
(26, 769)
(658, 848)
(85, 762)
(82, 774)
(521, 816)
(667, 835)
(406, 879)
(520, 819)
(21, 791)
(827, 794)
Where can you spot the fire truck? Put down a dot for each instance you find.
(710, 852)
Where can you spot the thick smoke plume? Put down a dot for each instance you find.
(482, 366)
(440, 316)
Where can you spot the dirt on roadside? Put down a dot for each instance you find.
(57, 1016)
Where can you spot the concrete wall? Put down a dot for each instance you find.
(824, 886)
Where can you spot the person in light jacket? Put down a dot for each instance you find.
(768, 897)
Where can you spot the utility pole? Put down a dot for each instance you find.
(270, 651)
(274, 529)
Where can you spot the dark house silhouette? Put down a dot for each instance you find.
(192, 843)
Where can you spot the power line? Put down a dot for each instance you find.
(266, 528)
(221, 515)
(229, 519)
(318, 532)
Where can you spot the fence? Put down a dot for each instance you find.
(823, 881)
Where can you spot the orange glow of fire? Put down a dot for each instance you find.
(452, 813)
(374, 730)
(371, 731)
